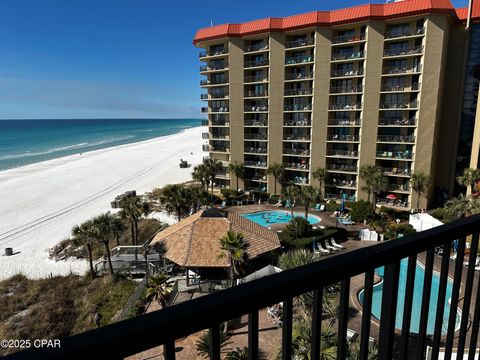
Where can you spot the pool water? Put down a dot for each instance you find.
(417, 299)
(268, 218)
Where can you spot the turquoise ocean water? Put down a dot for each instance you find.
(25, 142)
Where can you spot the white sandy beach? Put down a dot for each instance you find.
(43, 201)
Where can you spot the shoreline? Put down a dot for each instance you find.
(44, 200)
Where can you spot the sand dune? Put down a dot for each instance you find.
(42, 202)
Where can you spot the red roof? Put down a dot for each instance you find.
(337, 17)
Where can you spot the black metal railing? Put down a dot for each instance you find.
(403, 51)
(390, 34)
(256, 47)
(165, 326)
(254, 63)
(290, 92)
(298, 76)
(299, 59)
(348, 38)
(393, 70)
(346, 73)
(347, 55)
(299, 43)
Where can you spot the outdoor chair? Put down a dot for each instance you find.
(335, 244)
(322, 249)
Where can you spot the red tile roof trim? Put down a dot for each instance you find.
(338, 17)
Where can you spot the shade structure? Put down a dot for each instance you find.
(391, 196)
(265, 271)
(194, 242)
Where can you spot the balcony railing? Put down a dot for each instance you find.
(344, 183)
(289, 92)
(346, 89)
(221, 136)
(346, 73)
(296, 137)
(299, 43)
(256, 47)
(397, 122)
(342, 167)
(299, 180)
(400, 87)
(402, 33)
(344, 122)
(251, 79)
(254, 63)
(399, 155)
(255, 150)
(348, 55)
(403, 51)
(255, 163)
(213, 82)
(396, 138)
(337, 137)
(298, 107)
(255, 136)
(256, 108)
(348, 38)
(397, 171)
(220, 123)
(253, 93)
(300, 152)
(212, 53)
(401, 105)
(296, 165)
(255, 123)
(298, 76)
(343, 153)
(211, 67)
(398, 187)
(304, 122)
(204, 122)
(165, 326)
(393, 70)
(352, 106)
(299, 59)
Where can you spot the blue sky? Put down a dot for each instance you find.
(115, 58)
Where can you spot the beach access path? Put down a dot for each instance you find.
(42, 202)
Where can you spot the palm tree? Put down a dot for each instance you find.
(132, 209)
(212, 166)
(159, 288)
(308, 195)
(367, 173)
(118, 227)
(238, 170)
(462, 206)
(234, 245)
(302, 338)
(203, 342)
(175, 198)
(103, 230)
(421, 184)
(84, 232)
(291, 193)
(469, 178)
(242, 354)
(375, 181)
(320, 174)
(276, 170)
(200, 174)
(198, 197)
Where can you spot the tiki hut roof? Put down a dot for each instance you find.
(194, 241)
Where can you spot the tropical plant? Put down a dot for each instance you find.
(320, 174)
(200, 174)
(469, 178)
(298, 227)
(292, 194)
(85, 233)
(242, 354)
(213, 167)
(203, 342)
(361, 210)
(118, 227)
(199, 197)
(175, 199)
(277, 171)
(238, 170)
(353, 351)
(375, 181)
(159, 288)
(420, 184)
(132, 209)
(234, 246)
(462, 206)
(103, 232)
(308, 195)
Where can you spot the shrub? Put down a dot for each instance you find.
(273, 199)
(228, 193)
(362, 210)
(298, 227)
(331, 206)
(260, 194)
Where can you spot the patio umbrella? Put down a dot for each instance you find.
(391, 196)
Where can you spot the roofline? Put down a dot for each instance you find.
(353, 14)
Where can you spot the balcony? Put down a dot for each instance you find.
(399, 187)
(294, 92)
(298, 107)
(203, 54)
(342, 183)
(401, 87)
(255, 150)
(164, 327)
(299, 43)
(262, 164)
(256, 63)
(342, 168)
(393, 171)
(262, 137)
(344, 122)
(213, 82)
(395, 155)
(205, 135)
(399, 105)
(392, 34)
(346, 73)
(397, 122)
(220, 123)
(395, 70)
(256, 47)
(290, 137)
(255, 79)
(297, 166)
(223, 109)
(396, 138)
(299, 180)
(299, 76)
(403, 51)
(295, 123)
(219, 136)
(343, 107)
(299, 59)
(346, 89)
(255, 123)
(204, 122)
(351, 55)
(342, 153)
(205, 147)
(262, 108)
(253, 93)
(298, 152)
(348, 38)
(346, 138)
(211, 67)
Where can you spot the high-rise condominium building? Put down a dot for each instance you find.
(377, 84)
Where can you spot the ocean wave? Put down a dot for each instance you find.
(79, 146)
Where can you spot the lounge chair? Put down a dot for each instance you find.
(322, 249)
(330, 247)
(317, 207)
(224, 204)
(346, 221)
(334, 244)
(288, 204)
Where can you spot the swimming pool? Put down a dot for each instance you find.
(268, 218)
(417, 299)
